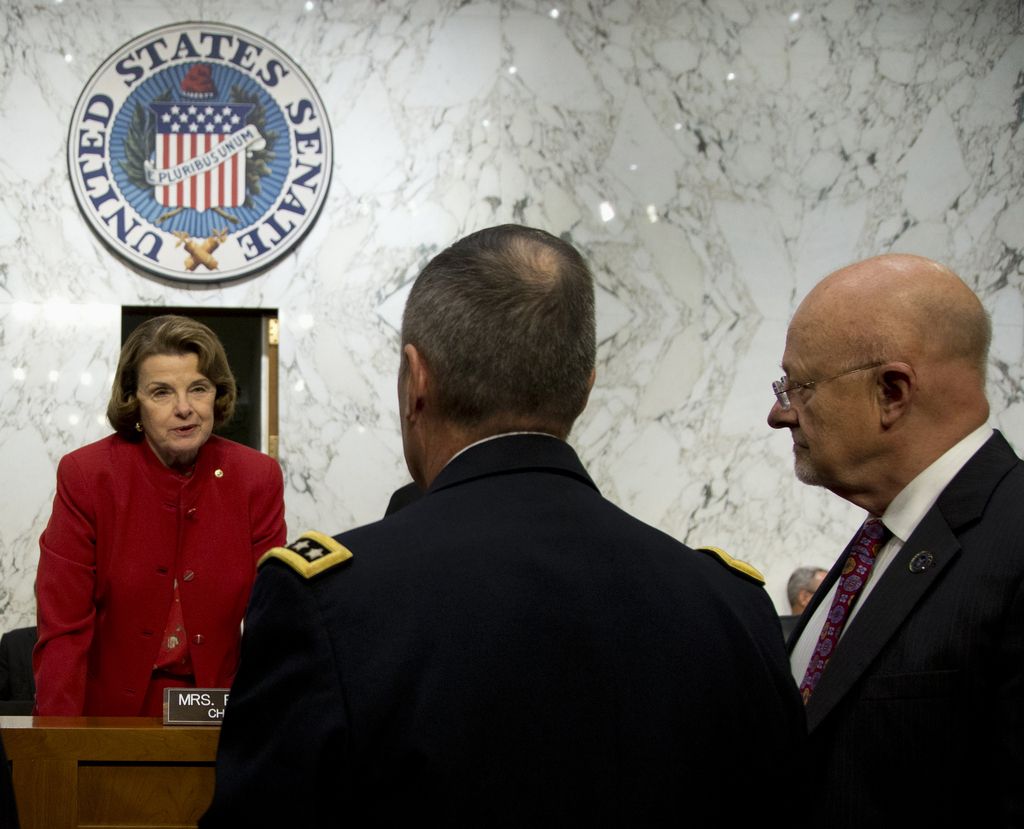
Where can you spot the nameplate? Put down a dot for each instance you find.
(194, 706)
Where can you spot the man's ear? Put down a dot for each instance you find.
(417, 382)
(590, 386)
(897, 384)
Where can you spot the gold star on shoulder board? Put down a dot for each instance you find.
(311, 554)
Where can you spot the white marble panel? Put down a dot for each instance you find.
(743, 154)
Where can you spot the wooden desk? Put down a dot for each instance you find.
(92, 772)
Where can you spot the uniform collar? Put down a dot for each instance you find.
(511, 452)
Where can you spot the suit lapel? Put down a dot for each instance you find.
(884, 610)
(902, 587)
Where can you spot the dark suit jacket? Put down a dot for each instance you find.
(789, 623)
(17, 688)
(402, 497)
(509, 650)
(919, 715)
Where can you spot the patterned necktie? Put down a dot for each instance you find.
(855, 573)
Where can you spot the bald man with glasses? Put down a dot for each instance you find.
(910, 657)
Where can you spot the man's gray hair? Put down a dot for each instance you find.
(504, 319)
(802, 579)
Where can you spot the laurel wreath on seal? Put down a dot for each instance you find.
(257, 163)
(139, 142)
(141, 139)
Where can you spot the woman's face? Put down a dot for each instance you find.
(175, 407)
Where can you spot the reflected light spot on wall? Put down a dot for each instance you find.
(59, 312)
(512, 70)
(100, 313)
(23, 310)
(731, 76)
(53, 376)
(553, 14)
(18, 373)
(85, 379)
(73, 419)
(309, 5)
(794, 17)
(652, 213)
(300, 385)
(607, 211)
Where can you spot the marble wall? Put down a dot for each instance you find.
(712, 160)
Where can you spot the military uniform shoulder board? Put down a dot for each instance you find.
(734, 564)
(310, 555)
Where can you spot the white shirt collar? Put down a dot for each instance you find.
(495, 437)
(907, 509)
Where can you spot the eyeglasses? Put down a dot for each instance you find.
(783, 387)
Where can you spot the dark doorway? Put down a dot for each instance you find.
(249, 338)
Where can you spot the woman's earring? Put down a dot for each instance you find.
(138, 426)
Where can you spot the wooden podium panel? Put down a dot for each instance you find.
(93, 772)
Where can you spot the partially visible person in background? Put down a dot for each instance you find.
(17, 687)
(802, 586)
(150, 553)
(799, 591)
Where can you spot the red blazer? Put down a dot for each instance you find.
(123, 527)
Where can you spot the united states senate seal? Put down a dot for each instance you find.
(200, 152)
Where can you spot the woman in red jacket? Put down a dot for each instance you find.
(150, 553)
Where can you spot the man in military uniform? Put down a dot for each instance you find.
(510, 649)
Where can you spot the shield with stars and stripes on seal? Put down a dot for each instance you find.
(201, 145)
(200, 154)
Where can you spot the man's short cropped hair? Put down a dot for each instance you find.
(504, 319)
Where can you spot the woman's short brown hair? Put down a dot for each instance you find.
(169, 334)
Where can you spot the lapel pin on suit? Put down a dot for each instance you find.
(921, 562)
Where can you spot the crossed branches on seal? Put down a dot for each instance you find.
(201, 253)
